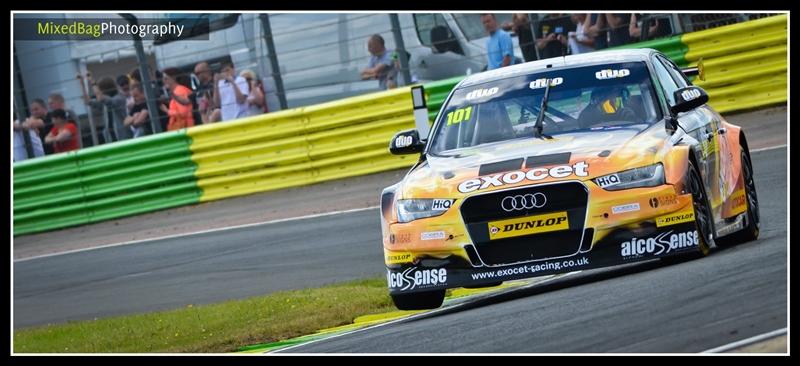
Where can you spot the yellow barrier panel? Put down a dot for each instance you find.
(301, 146)
(745, 63)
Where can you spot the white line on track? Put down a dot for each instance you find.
(748, 341)
(768, 148)
(198, 233)
(512, 289)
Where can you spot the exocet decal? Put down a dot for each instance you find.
(541, 83)
(579, 169)
(612, 74)
(403, 141)
(690, 94)
(481, 93)
(441, 204)
(661, 244)
(412, 278)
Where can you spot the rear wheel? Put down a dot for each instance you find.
(419, 300)
(751, 230)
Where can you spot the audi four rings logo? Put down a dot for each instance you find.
(524, 201)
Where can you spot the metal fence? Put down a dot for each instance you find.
(300, 59)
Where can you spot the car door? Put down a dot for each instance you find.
(702, 125)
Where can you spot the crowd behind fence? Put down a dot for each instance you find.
(215, 91)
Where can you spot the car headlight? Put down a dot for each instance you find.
(413, 209)
(648, 176)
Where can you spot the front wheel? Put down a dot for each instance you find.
(419, 300)
(704, 220)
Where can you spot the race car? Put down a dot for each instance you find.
(561, 165)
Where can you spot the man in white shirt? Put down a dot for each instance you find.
(231, 93)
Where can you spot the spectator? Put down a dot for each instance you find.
(656, 29)
(598, 31)
(618, 33)
(40, 122)
(499, 47)
(256, 104)
(230, 93)
(64, 134)
(109, 96)
(156, 87)
(56, 101)
(578, 41)
(138, 119)
(125, 89)
(180, 114)
(20, 151)
(205, 101)
(552, 35)
(522, 28)
(381, 66)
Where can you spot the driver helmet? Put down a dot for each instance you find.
(610, 100)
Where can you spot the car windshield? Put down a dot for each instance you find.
(587, 98)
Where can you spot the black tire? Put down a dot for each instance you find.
(751, 230)
(703, 218)
(419, 300)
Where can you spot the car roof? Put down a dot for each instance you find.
(597, 57)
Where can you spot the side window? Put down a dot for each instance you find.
(433, 31)
(677, 74)
(668, 85)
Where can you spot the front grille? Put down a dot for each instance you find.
(478, 210)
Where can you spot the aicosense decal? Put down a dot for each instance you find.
(662, 243)
(413, 278)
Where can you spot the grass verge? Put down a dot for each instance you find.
(222, 327)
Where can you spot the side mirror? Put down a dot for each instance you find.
(406, 142)
(699, 70)
(688, 98)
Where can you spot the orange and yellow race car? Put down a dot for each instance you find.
(561, 165)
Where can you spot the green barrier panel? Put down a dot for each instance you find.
(436, 92)
(104, 182)
(48, 193)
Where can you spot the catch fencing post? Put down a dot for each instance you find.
(144, 71)
(400, 48)
(273, 60)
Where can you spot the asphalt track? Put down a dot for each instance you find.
(686, 307)
(654, 307)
